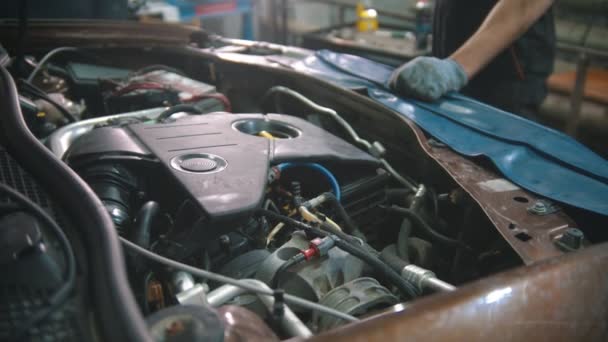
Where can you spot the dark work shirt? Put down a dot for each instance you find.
(524, 65)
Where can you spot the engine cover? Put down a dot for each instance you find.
(220, 159)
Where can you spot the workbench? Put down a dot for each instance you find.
(392, 50)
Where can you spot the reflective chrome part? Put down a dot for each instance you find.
(425, 279)
(196, 295)
(199, 163)
(61, 139)
(438, 285)
(182, 281)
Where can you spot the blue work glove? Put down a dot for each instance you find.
(428, 78)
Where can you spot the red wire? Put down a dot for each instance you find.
(157, 86)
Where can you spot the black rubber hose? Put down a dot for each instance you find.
(177, 109)
(430, 232)
(398, 196)
(143, 224)
(403, 238)
(407, 289)
(114, 303)
(346, 245)
(390, 258)
(294, 260)
(141, 234)
(351, 227)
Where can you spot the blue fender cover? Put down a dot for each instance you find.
(535, 157)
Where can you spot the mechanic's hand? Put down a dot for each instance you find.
(428, 78)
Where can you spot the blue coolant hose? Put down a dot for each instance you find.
(323, 170)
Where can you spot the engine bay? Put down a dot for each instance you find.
(231, 192)
(268, 198)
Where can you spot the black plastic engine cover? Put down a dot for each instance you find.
(219, 158)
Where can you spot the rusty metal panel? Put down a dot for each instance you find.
(560, 299)
(506, 205)
(100, 33)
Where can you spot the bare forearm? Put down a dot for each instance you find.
(507, 21)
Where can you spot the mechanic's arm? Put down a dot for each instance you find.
(430, 78)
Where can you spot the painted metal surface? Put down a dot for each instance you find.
(561, 299)
(532, 237)
(534, 157)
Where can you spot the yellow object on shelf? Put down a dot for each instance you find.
(367, 18)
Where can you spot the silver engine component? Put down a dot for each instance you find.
(356, 297)
(290, 322)
(425, 279)
(311, 279)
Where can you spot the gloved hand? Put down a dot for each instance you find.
(428, 78)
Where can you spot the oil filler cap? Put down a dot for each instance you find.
(198, 163)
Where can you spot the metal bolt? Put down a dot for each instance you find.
(573, 238)
(539, 206)
(224, 240)
(543, 207)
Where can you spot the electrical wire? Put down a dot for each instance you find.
(324, 171)
(272, 92)
(62, 294)
(345, 125)
(217, 96)
(310, 217)
(177, 109)
(346, 243)
(276, 230)
(291, 299)
(430, 232)
(294, 260)
(47, 58)
(349, 224)
(290, 222)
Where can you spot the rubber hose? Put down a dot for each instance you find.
(398, 196)
(420, 223)
(177, 109)
(143, 224)
(404, 287)
(407, 289)
(294, 260)
(349, 238)
(141, 234)
(391, 259)
(403, 239)
(289, 221)
(351, 227)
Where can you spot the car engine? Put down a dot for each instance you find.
(271, 199)
(240, 199)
